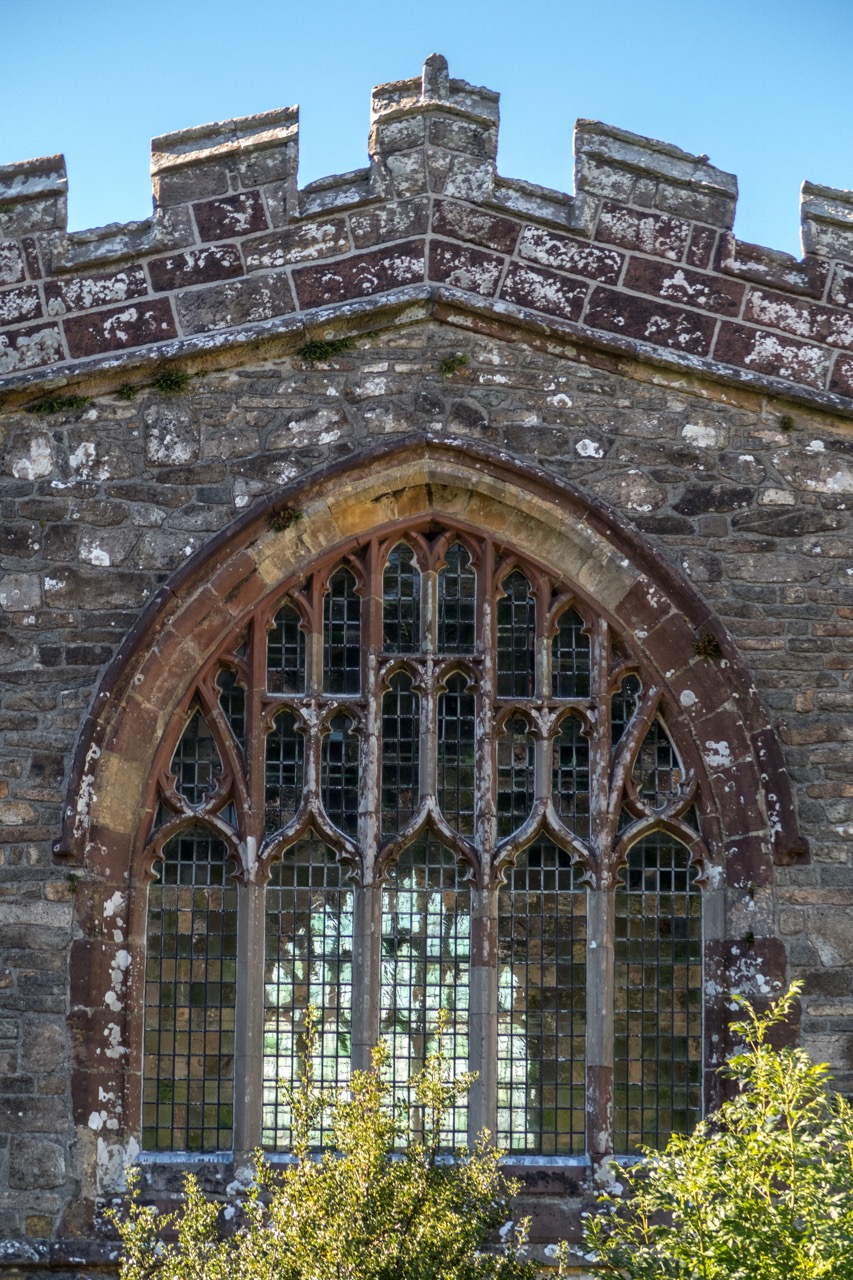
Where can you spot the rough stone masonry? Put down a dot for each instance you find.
(162, 380)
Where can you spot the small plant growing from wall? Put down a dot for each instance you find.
(453, 364)
(707, 646)
(172, 382)
(762, 1190)
(59, 404)
(318, 349)
(380, 1204)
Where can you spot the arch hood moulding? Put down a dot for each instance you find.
(639, 265)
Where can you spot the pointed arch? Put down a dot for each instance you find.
(517, 517)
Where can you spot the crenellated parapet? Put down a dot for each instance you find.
(640, 261)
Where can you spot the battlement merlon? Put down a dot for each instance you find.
(826, 217)
(214, 159)
(429, 134)
(33, 197)
(627, 168)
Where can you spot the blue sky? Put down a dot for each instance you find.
(765, 89)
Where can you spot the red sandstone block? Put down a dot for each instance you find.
(30, 248)
(655, 233)
(469, 269)
(229, 216)
(677, 284)
(770, 353)
(131, 326)
(464, 222)
(29, 348)
(543, 290)
(842, 376)
(551, 249)
(81, 293)
(700, 251)
(802, 318)
(360, 276)
(11, 263)
(196, 266)
(17, 305)
(656, 322)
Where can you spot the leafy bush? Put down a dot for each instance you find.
(763, 1190)
(364, 1210)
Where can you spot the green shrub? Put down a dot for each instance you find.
(378, 1205)
(763, 1190)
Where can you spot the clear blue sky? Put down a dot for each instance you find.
(764, 88)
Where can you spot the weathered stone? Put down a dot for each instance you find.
(35, 1163)
(361, 275)
(223, 306)
(134, 325)
(654, 322)
(196, 266)
(230, 216)
(81, 293)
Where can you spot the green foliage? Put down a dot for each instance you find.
(284, 518)
(761, 1191)
(172, 382)
(786, 422)
(377, 1205)
(707, 646)
(127, 391)
(318, 349)
(59, 404)
(452, 364)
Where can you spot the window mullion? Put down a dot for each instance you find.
(367, 896)
(249, 1020)
(601, 918)
(483, 1012)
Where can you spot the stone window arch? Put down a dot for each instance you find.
(447, 725)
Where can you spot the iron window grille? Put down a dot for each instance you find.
(429, 776)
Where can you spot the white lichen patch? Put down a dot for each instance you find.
(91, 552)
(589, 449)
(36, 461)
(701, 435)
(687, 698)
(718, 755)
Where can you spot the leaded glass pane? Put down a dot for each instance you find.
(339, 775)
(570, 661)
(283, 773)
(190, 987)
(515, 776)
(342, 635)
(456, 710)
(542, 1005)
(401, 602)
(400, 753)
(308, 962)
(516, 615)
(657, 771)
(457, 602)
(196, 764)
(286, 653)
(232, 700)
(570, 776)
(425, 967)
(658, 1049)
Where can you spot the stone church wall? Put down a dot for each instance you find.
(621, 339)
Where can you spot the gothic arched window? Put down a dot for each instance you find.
(427, 776)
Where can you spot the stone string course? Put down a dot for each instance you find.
(620, 339)
(641, 259)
